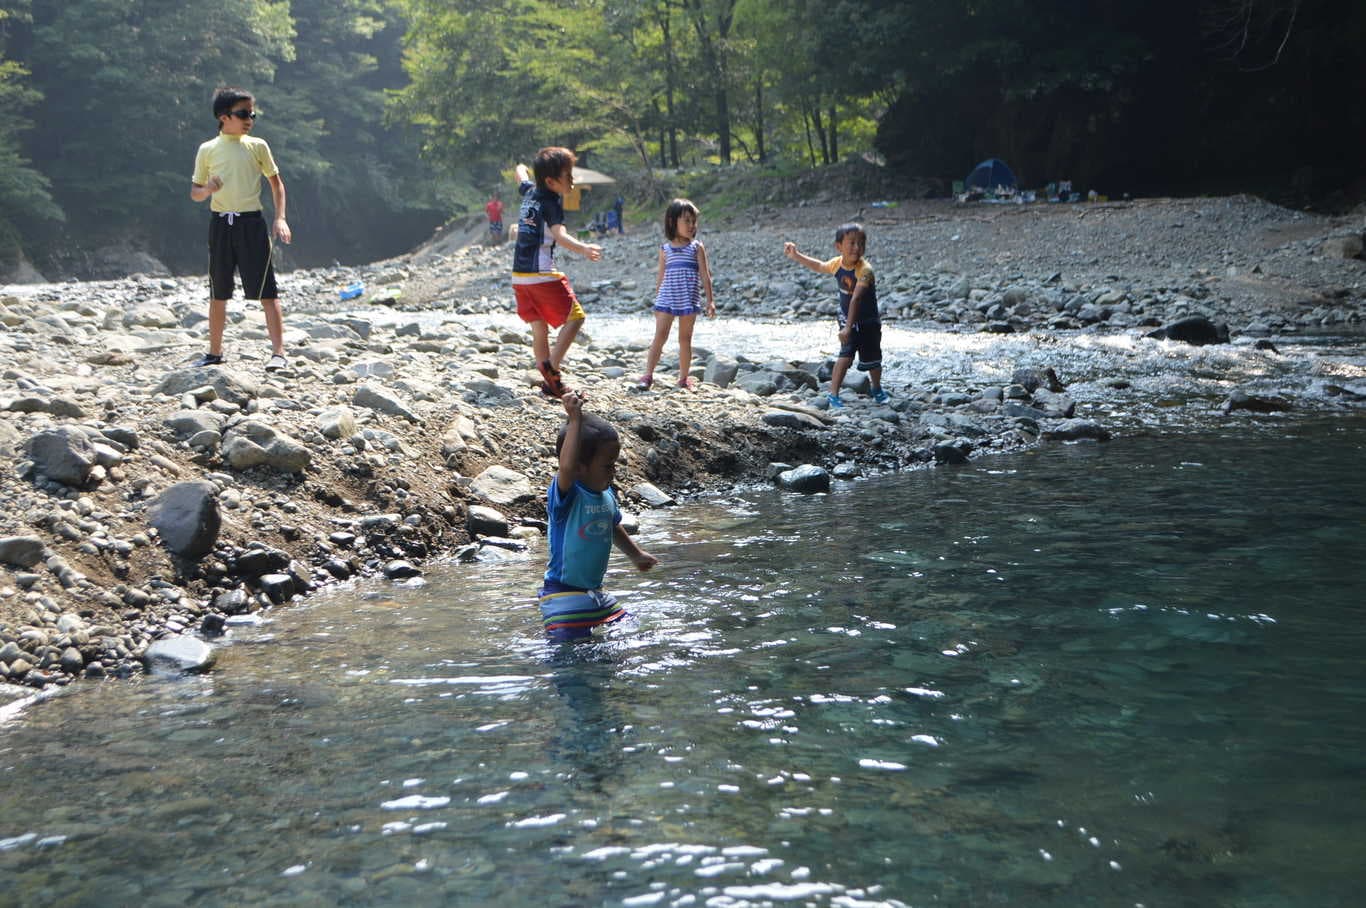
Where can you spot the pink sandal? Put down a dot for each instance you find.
(688, 383)
(644, 382)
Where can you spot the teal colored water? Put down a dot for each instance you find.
(1085, 675)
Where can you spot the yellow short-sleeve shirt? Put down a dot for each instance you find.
(240, 162)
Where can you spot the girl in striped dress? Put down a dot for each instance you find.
(683, 275)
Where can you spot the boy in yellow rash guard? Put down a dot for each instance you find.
(228, 169)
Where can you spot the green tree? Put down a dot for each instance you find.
(25, 194)
(127, 86)
(357, 187)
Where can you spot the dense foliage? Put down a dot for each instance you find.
(114, 98)
(387, 116)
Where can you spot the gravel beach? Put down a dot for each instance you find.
(147, 504)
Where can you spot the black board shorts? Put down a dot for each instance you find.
(239, 242)
(866, 340)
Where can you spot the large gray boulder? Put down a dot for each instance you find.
(337, 422)
(189, 423)
(21, 551)
(791, 419)
(1077, 430)
(231, 386)
(720, 371)
(383, 400)
(500, 485)
(64, 455)
(187, 517)
(653, 495)
(1032, 378)
(952, 450)
(251, 443)
(485, 521)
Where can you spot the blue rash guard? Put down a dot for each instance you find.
(534, 251)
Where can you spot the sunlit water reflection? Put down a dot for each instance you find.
(1123, 379)
(1083, 675)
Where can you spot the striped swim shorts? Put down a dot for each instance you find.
(573, 614)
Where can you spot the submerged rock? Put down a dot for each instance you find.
(807, 479)
(1196, 330)
(1241, 400)
(178, 655)
(1077, 430)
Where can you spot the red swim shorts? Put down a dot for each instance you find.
(546, 297)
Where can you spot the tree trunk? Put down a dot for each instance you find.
(759, 116)
(834, 141)
(820, 133)
(669, 77)
(806, 124)
(711, 42)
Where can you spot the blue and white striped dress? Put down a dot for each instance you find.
(680, 293)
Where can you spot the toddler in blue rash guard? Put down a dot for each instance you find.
(584, 525)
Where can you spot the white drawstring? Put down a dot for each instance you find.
(230, 215)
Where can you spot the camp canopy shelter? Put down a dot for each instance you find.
(989, 174)
(583, 179)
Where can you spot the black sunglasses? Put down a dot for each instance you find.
(243, 114)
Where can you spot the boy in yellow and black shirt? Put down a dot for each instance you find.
(228, 169)
(860, 323)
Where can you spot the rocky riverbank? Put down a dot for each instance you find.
(146, 501)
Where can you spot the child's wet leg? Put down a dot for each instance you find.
(540, 341)
(218, 320)
(685, 326)
(837, 375)
(275, 326)
(663, 323)
(563, 340)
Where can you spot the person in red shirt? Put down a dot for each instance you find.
(494, 209)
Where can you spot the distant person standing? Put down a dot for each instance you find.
(494, 210)
(228, 170)
(618, 206)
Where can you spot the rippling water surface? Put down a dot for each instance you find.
(1084, 675)
(1123, 379)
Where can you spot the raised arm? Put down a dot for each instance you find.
(569, 450)
(790, 250)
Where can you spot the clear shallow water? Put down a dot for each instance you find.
(1082, 675)
(1166, 384)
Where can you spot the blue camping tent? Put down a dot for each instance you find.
(989, 174)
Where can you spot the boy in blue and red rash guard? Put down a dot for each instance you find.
(544, 298)
(584, 525)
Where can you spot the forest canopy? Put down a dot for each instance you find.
(389, 116)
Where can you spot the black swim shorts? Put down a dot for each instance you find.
(240, 242)
(866, 340)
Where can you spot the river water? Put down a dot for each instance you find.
(1124, 380)
(1123, 674)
